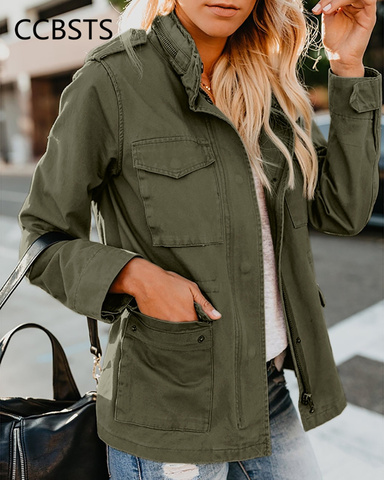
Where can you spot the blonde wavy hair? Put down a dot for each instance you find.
(259, 59)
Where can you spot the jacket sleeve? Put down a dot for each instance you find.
(348, 166)
(83, 151)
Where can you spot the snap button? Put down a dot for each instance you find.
(201, 338)
(133, 328)
(298, 340)
(245, 267)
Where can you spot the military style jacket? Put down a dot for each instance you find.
(168, 178)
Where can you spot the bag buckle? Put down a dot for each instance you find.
(96, 370)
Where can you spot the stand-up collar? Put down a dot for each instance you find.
(181, 50)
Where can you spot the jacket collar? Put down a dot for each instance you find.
(181, 51)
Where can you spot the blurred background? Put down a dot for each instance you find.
(33, 73)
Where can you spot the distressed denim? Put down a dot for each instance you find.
(292, 455)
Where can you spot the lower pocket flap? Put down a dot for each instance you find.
(167, 334)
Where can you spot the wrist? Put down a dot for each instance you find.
(128, 279)
(343, 70)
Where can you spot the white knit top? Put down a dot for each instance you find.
(275, 329)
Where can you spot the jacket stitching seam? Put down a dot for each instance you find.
(171, 173)
(120, 114)
(372, 200)
(184, 332)
(172, 138)
(152, 426)
(239, 406)
(333, 407)
(227, 223)
(186, 347)
(357, 116)
(252, 445)
(171, 243)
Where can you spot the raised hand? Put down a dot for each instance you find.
(347, 28)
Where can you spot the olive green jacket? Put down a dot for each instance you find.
(169, 180)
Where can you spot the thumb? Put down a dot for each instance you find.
(202, 303)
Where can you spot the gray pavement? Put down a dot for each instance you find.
(349, 271)
(14, 186)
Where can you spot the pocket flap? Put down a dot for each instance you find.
(297, 207)
(172, 156)
(321, 296)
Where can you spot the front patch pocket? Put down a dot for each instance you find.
(179, 188)
(165, 374)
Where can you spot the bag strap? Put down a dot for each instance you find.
(35, 249)
(64, 385)
(33, 252)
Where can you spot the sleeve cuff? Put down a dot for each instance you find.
(355, 97)
(92, 297)
(113, 306)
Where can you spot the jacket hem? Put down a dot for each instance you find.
(310, 422)
(161, 454)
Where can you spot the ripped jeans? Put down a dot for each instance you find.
(292, 455)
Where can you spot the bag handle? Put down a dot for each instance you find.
(64, 385)
(32, 253)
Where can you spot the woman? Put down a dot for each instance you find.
(192, 139)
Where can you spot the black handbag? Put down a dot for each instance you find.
(50, 439)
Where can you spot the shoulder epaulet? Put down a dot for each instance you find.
(133, 36)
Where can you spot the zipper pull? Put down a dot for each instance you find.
(306, 399)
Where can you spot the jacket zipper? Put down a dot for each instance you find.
(168, 45)
(238, 376)
(306, 397)
(17, 454)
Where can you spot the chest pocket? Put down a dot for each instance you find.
(179, 188)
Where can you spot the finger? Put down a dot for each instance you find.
(206, 305)
(327, 7)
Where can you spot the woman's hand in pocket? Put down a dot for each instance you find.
(161, 293)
